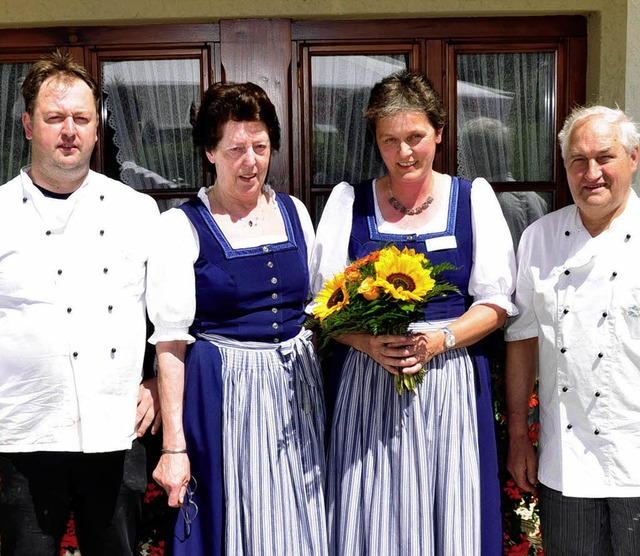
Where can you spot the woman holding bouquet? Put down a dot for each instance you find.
(416, 474)
(240, 386)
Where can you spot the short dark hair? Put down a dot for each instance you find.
(404, 91)
(240, 102)
(60, 64)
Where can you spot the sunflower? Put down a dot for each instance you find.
(402, 275)
(332, 298)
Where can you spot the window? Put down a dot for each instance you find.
(515, 71)
(512, 73)
(147, 106)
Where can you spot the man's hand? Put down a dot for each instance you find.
(521, 460)
(148, 412)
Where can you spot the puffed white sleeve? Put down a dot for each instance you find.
(331, 250)
(525, 324)
(494, 269)
(307, 228)
(171, 296)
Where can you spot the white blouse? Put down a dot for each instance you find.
(493, 274)
(171, 286)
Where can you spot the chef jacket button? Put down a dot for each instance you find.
(565, 389)
(604, 315)
(563, 350)
(569, 426)
(59, 271)
(48, 232)
(614, 274)
(275, 326)
(113, 350)
(110, 308)
(24, 199)
(75, 354)
(270, 264)
(597, 431)
(565, 311)
(69, 309)
(101, 232)
(276, 340)
(567, 272)
(567, 233)
(274, 280)
(274, 296)
(274, 310)
(628, 237)
(597, 394)
(105, 270)
(102, 197)
(265, 249)
(600, 355)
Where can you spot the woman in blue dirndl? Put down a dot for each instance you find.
(416, 474)
(240, 386)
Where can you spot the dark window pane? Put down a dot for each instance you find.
(14, 148)
(506, 116)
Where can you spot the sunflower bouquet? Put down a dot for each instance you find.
(381, 293)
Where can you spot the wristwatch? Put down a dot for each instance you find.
(449, 338)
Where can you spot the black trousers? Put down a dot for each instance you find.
(588, 526)
(39, 490)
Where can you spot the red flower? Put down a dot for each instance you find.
(534, 433)
(521, 549)
(513, 490)
(152, 493)
(69, 541)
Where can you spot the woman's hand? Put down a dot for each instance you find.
(397, 352)
(173, 473)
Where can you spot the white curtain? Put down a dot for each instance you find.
(148, 104)
(14, 148)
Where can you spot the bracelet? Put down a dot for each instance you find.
(182, 451)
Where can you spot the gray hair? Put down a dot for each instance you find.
(628, 129)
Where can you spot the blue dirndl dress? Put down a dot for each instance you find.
(415, 474)
(253, 402)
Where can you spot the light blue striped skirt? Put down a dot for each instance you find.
(273, 451)
(403, 471)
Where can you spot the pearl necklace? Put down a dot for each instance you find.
(408, 211)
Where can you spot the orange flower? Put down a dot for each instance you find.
(368, 289)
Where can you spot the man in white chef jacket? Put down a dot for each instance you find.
(73, 252)
(578, 292)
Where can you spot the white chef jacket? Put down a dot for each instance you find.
(72, 314)
(580, 295)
